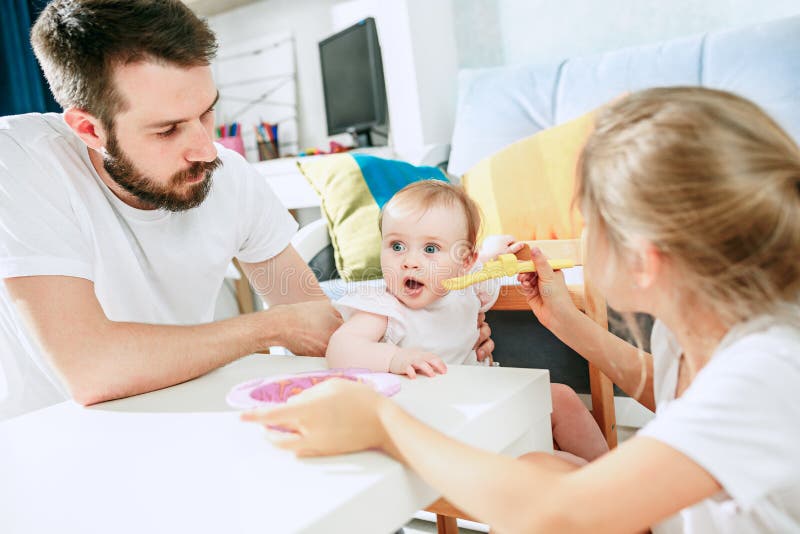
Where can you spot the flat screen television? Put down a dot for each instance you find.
(352, 80)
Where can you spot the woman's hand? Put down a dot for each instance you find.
(545, 291)
(335, 417)
(412, 361)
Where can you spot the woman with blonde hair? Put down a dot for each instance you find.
(692, 203)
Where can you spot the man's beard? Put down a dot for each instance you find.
(124, 172)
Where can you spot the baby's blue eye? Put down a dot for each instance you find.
(398, 247)
(431, 249)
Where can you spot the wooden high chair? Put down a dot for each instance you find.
(589, 301)
(314, 237)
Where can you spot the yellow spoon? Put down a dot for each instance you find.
(504, 265)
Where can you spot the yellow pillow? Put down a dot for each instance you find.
(526, 188)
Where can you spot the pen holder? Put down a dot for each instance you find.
(233, 142)
(267, 150)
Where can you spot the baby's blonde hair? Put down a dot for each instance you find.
(712, 182)
(419, 197)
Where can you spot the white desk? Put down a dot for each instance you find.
(289, 184)
(178, 460)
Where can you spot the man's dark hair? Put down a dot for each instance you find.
(79, 42)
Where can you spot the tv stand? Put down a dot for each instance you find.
(366, 137)
(362, 138)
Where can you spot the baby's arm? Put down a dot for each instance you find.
(357, 344)
(493, 246)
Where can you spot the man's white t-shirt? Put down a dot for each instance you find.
(740, 421)
(58, 218)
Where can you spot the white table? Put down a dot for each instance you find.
(179, 460)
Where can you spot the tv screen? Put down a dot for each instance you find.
(352, 79)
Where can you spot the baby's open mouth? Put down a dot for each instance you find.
(412, 284)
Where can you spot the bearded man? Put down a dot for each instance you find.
(119, 217)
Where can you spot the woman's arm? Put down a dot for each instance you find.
(628, 367)
(625, 365)
(631, 488)
(357, 344)
(628, 490)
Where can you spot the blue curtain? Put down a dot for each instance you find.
(23, 88)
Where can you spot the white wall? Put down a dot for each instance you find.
(425, 41)
(542, 31)
(420, 66)
(419, 58)
(310, 22)
(399, 72)
(478, 33)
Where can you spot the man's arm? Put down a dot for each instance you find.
(284, 279)
(99, 359)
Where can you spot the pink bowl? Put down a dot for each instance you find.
(277, 389)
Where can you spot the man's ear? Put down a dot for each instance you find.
(88, 127)
(649, 263)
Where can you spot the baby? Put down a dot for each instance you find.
(413, 325)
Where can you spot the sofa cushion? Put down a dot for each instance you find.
(352, 190)
(526, 188)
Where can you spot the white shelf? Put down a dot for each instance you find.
(291, 186)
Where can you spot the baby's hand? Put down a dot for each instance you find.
(494, 245)
(411, 361)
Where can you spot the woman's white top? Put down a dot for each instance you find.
(740, 421)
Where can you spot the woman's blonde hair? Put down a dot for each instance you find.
(712, 182)
(419, 197)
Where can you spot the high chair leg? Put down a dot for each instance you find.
(446, 525)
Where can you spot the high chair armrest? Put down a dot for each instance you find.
(311, 239)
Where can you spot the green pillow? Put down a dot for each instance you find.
(352, 189)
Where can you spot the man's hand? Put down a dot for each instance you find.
(307, 326)
(412, 361)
